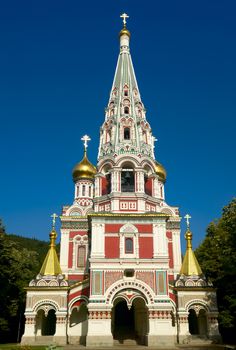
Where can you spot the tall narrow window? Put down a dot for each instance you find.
(161, 191)
(89, 191)
(129, 246)
(83, 190)
(126, 110)
(126, 92)
(127, 133)
(108, 185)
(81, 256)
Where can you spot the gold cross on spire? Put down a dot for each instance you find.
(124, 16)
(85, 138)
(54, 216)
(187, 217)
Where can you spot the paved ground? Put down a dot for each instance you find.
(140, 347)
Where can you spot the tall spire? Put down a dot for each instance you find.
(51, 265)
(190, 265)
(125, 130)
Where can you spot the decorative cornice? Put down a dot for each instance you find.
(141, 215)
(74, 225)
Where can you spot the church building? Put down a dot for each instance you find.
(120, 278)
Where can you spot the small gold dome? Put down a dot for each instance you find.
(125, 31)
(84, 170)
(160, 171)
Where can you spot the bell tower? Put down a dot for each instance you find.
(120, 276)
(135, 234)
(129, 179)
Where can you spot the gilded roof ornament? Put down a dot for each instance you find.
(51, 265)
(124, 16)
(187, 217)
(84, 169)
(190, 265)
(85, 138)
(124, 30)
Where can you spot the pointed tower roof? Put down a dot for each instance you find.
(190, 265)
(51, 265)
(125, 110)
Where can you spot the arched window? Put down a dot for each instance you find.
(129, 246)
(83, 190)
(127, 133)
(126, 92)
(81, 256)
(89, 191)
(127, 180)
(126, 110)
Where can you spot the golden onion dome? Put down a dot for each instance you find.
(124, 31)
(160, 171)
(84, 169)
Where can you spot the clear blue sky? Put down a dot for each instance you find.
(57, 62)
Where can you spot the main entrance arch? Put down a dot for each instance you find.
(130, 317)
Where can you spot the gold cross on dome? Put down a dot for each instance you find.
(54, 216)
(85, 138)
(187, 217)
(124, 16)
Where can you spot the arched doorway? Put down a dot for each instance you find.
(123, 321)
(130, 322)
(192, 322)
(202, 323)
(46, 323)
(197, 323)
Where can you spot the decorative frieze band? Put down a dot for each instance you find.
(61, 319)
(172, 225)
(183, 319)
(163, 315)
(74, 225)
(97, 315)
(30, 320)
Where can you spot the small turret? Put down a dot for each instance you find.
(190, 265)
(51, 265)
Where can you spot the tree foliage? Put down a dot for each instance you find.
(217, 257)
(19, 264)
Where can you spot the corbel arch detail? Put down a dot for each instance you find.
(197, 305)
(46, 305)
(121, 285)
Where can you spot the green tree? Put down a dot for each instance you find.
(17, 268)
(217, 257)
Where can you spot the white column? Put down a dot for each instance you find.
(98, 241)
(160, 247)
(115, 181)
(139, 178)
(183, 327)
(97, 187)
(156, 190)
(29, 333)
(64, 250)
(60, 336)
(176, 250)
